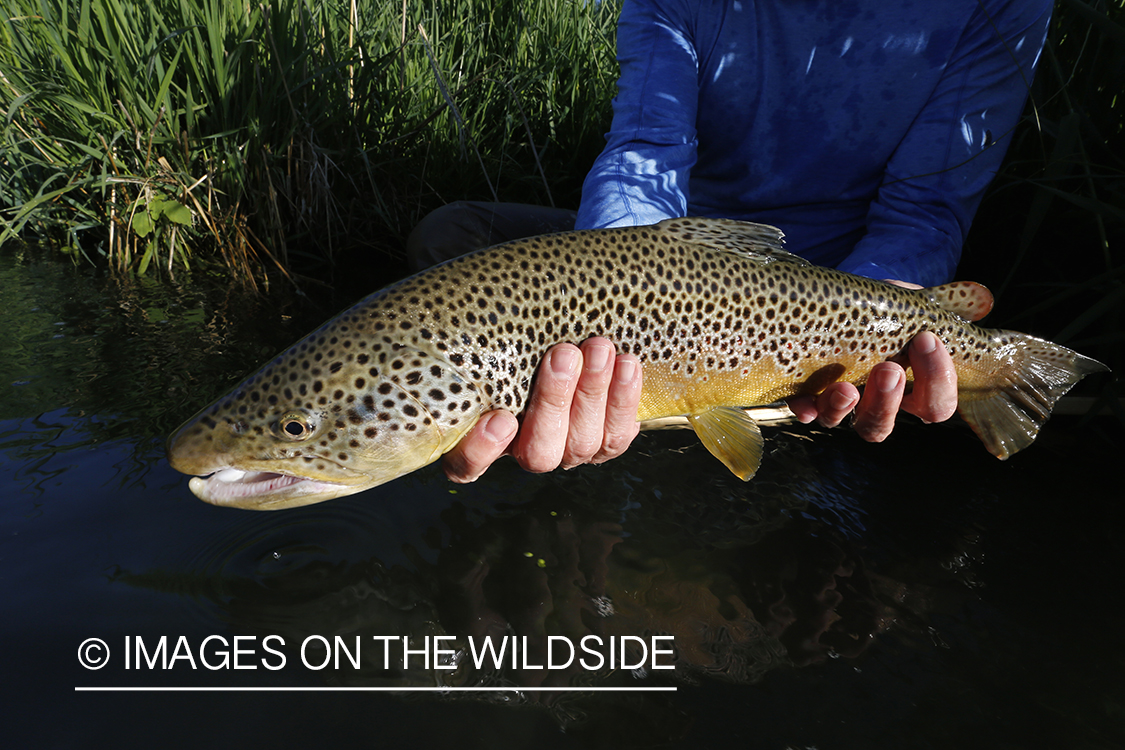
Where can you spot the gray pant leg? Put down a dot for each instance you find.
(465, 226)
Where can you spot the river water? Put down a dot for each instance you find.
(913, 594)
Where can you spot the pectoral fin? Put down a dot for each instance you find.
(732, 437)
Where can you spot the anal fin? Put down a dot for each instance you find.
(732, 437)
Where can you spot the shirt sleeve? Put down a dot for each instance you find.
(938, 174)
(641, 177)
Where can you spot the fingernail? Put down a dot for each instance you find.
(841, 401)
(626, 371)
(925, 342)
(498, 428)
(887, 380)
(597, 358)
(564, 361)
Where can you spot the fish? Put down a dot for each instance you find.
(721, 317)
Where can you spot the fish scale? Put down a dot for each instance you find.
(720, 316)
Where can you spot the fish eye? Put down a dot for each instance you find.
(294, 426)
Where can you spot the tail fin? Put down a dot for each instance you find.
(1007, 414)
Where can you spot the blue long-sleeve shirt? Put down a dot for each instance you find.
(867, 130)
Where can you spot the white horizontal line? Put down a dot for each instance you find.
(364, 689)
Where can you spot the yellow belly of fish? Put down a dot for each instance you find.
(671, 393)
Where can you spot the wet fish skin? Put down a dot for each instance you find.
(719, 315)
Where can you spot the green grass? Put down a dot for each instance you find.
(156, 134)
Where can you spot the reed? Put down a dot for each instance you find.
(162, 134)
(1049, 236)
(155, 134)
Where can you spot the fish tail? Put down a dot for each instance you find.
(1007, 412)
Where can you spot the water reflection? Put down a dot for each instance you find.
(145, 352)
(741, 575)
(910, 594)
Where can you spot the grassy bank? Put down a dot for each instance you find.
(159, 133)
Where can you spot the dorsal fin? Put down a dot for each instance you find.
(757, 242)
(966, 299)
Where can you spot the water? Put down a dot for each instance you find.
(915, 594)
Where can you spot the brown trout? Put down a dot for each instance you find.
(720, 316)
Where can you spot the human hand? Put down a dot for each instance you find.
(933, 398)
(582, 409)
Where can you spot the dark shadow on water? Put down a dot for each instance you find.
(836, 602)
(740, 575)
(913, 594)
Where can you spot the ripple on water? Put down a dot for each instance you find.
(268, 545)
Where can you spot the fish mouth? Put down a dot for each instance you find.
(264, 490)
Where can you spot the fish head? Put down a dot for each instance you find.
(292, 435)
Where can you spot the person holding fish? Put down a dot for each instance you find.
(867, 131)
